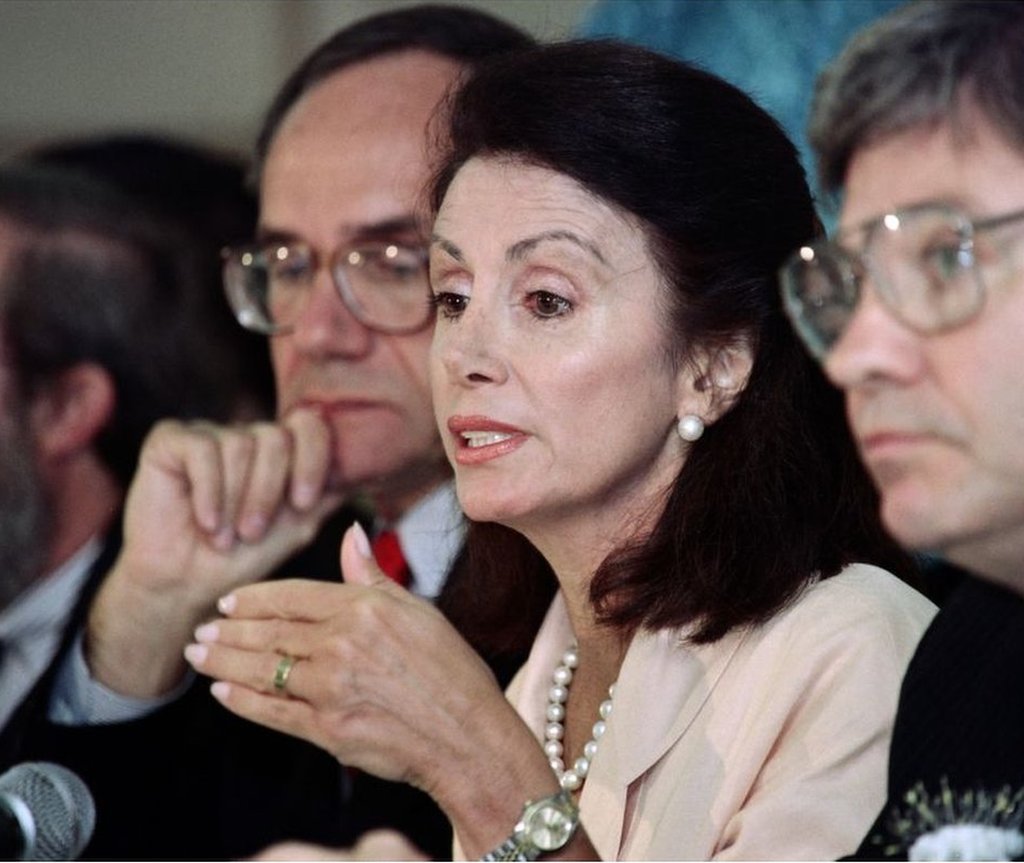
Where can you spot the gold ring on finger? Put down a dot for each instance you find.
(283, 672)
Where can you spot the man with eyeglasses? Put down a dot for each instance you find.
(916, 310)
(336, 278)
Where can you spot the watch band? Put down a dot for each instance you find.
(507, 850)
(546, 824)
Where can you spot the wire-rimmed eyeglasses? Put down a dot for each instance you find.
(923, 262)
(384, 285)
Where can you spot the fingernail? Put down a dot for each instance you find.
(207, 632)
(362, 542)
(196, 653)
(226, 604)
(220, 690)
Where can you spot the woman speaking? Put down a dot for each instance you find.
(632, 423)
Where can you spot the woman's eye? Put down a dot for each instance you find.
(450, 305)
(547, 305)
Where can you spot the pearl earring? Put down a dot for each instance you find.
(690, 427)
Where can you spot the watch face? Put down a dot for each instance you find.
(550, 826)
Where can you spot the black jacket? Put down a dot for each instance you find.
(960, 721)
(193, 781)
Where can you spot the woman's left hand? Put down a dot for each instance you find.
(365, 670)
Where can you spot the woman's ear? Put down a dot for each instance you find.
(714, 378)
(68, 413)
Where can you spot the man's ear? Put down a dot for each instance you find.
(714, 378)
(68, 413)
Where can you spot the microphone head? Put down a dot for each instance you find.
(62, 811)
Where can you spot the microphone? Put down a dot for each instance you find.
(46, 813)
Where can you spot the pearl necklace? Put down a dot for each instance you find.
(571, 779)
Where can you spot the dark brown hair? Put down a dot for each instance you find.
(773, 495)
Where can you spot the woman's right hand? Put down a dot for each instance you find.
(382, 681)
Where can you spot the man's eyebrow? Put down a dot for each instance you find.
(265, 235)
(388, 229)
(518, 251)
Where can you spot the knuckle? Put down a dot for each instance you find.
(334, 691)
(372, 611)
(278, 633)
(273, 438)
(163, 432)
(165, 427)
(306, 429)
(279, 710)
(336, 646)
(239, 443)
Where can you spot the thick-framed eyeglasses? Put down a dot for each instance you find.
(924, 263)
(384, 285)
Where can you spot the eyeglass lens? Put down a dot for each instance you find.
(383, 285)
(920, 262)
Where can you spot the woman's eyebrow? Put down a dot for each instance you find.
(448, 247)
(517, 251)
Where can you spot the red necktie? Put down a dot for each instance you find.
(389, 556)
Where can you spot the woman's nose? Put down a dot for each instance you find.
(470, 348)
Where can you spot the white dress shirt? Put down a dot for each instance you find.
(431, 535)
(31, 628)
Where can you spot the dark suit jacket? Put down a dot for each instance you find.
(192, 781)
(960, 721)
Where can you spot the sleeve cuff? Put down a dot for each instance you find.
(77, 699)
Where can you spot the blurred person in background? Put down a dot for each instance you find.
(915, 309)
(96, 346)
(205, 194)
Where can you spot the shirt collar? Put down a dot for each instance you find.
(48, 603)
(431, 534)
